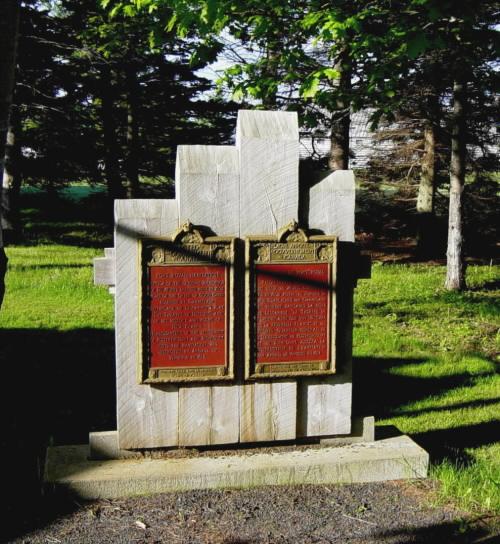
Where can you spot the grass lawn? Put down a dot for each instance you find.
(425, 360)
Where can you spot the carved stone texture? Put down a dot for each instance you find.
(268, 148)
(147, 416)
(207, 186)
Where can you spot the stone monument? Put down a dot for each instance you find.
(233, 318)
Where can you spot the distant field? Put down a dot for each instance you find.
(74, 191)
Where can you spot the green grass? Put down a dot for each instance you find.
(425, 360)
(431, 359)
(51, 287)
(473, 486)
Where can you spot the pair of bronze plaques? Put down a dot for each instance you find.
(190, 289)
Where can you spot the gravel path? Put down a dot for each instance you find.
(388, 513)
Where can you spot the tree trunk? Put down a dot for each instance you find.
(9, 26)
(341, 118)
(426, 191)
(132, 161)
(11, 183)
(455, 270)
(111, 148)
(270, 72)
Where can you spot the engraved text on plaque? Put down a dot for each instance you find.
(290, 304)
(188, 322)
(187, 308)
(292, 311)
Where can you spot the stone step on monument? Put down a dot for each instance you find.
(68, 469)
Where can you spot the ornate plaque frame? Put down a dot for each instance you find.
(294, 246)
(187, 247)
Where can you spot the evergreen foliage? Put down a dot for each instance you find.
(79, 71)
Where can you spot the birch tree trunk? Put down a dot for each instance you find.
(426, 191)
(11, 183)
(9, 25)
(455, 269)
(341, 118)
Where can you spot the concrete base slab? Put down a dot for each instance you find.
(68, 467)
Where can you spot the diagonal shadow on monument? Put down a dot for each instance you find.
(132, 233)
(58, 386)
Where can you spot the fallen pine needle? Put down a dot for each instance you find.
(359, 519)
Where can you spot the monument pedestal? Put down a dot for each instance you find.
(105, 445)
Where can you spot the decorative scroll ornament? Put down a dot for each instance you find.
(187, 234)
(292, 233)
(325, 253)
(192, 244)
(263, 254)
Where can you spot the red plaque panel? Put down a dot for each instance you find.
(292, 313)
(290, 304)
(188, 317)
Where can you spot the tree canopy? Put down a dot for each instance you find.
(106, 90)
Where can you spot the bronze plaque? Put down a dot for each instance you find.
(290, 304)
(187, 308)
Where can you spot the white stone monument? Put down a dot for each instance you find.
(251, 188)
(248, 189)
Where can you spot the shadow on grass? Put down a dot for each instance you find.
(456, 532)
(58, 386)
(380, 393)
(492, 285)
(18, 267)
(51, 218)
(451, 407)
(408, 307)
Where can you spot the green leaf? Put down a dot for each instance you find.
(129, 11)
(311, 19)
(234, 70)
(310, 87)
(331, 73)
(238, 94)
(171, 23)
(115, 10)
(417, 45)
